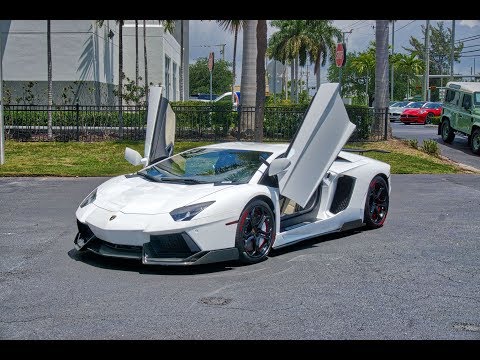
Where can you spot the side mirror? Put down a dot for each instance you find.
(133, 157)
(278, 165)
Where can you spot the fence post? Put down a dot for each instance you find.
(239, 114)
(385, 131)
(77, 115)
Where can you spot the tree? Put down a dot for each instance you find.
(381, 77)
(248, 85)
(145, 59)
(291, 43)
(440, 50)
(260, 96)
(409, 66)
(200, 77)
(120, 77)
(233, 26)
(49, 88)
(364, 64)
(136, 52)
(323, 35)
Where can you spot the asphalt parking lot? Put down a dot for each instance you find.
(415, 278)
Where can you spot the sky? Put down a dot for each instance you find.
(206, 36)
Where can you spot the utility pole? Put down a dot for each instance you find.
(427, 61)
(223, 51)
(452, 50)
(340, 69)
(391, 66)
(2, 138)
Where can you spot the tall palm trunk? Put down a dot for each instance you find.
(49, 89)
(145, 59)
(292, 80)
(317, 68)
(260, 95)
(249, 76)
(297, 81)
(120, 78)
(180, 77)
(381, 77)
(235, 38)
(136, 53)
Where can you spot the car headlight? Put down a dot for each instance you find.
(186, 213)
(89, 199)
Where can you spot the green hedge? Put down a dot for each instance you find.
(193, 118)
(69, 118)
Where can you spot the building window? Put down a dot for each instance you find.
(174, 71)
(167, 77)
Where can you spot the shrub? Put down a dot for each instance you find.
(430, 146)
(413, 143)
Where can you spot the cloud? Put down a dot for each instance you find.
(470, 23)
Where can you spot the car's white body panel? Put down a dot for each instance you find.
(129, 209)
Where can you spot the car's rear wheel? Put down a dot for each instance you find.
(376, 203)
(475, 141)
(255, 232)
(447, 133)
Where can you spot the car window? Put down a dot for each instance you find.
(467, 101)
(476, 98)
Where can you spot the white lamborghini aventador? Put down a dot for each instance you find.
(235, 200)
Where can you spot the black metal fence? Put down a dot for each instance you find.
(193, 123)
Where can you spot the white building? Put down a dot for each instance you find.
(85, 59)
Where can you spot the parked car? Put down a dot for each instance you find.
(461, 113)
(395, 110)
(235, 200)
(225, 97)
(421, 115)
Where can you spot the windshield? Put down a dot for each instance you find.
(416, 104)
(400, 104)
(207, 165)
(432, 105)
(476, 98)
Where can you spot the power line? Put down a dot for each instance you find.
(405, 25)
(470, 38)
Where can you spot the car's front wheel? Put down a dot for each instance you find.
(429, 118)
(475, 141)
(447, 133)
(376, 203)
(255, 232)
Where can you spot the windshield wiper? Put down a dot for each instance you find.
(183, 180)
(147, 176)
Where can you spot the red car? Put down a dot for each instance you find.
(421, 114)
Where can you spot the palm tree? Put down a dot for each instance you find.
(49, 89)
(145, 59)
(381, 77)
(233, 26)
(260, 95)
(120, 77)
(136, 53)
(411, 65)
(323, 35)
(248, 85)
(364, 64)
(291, 43)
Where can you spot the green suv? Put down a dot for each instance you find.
(461, 113)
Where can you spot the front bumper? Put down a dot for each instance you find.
(168, 249)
